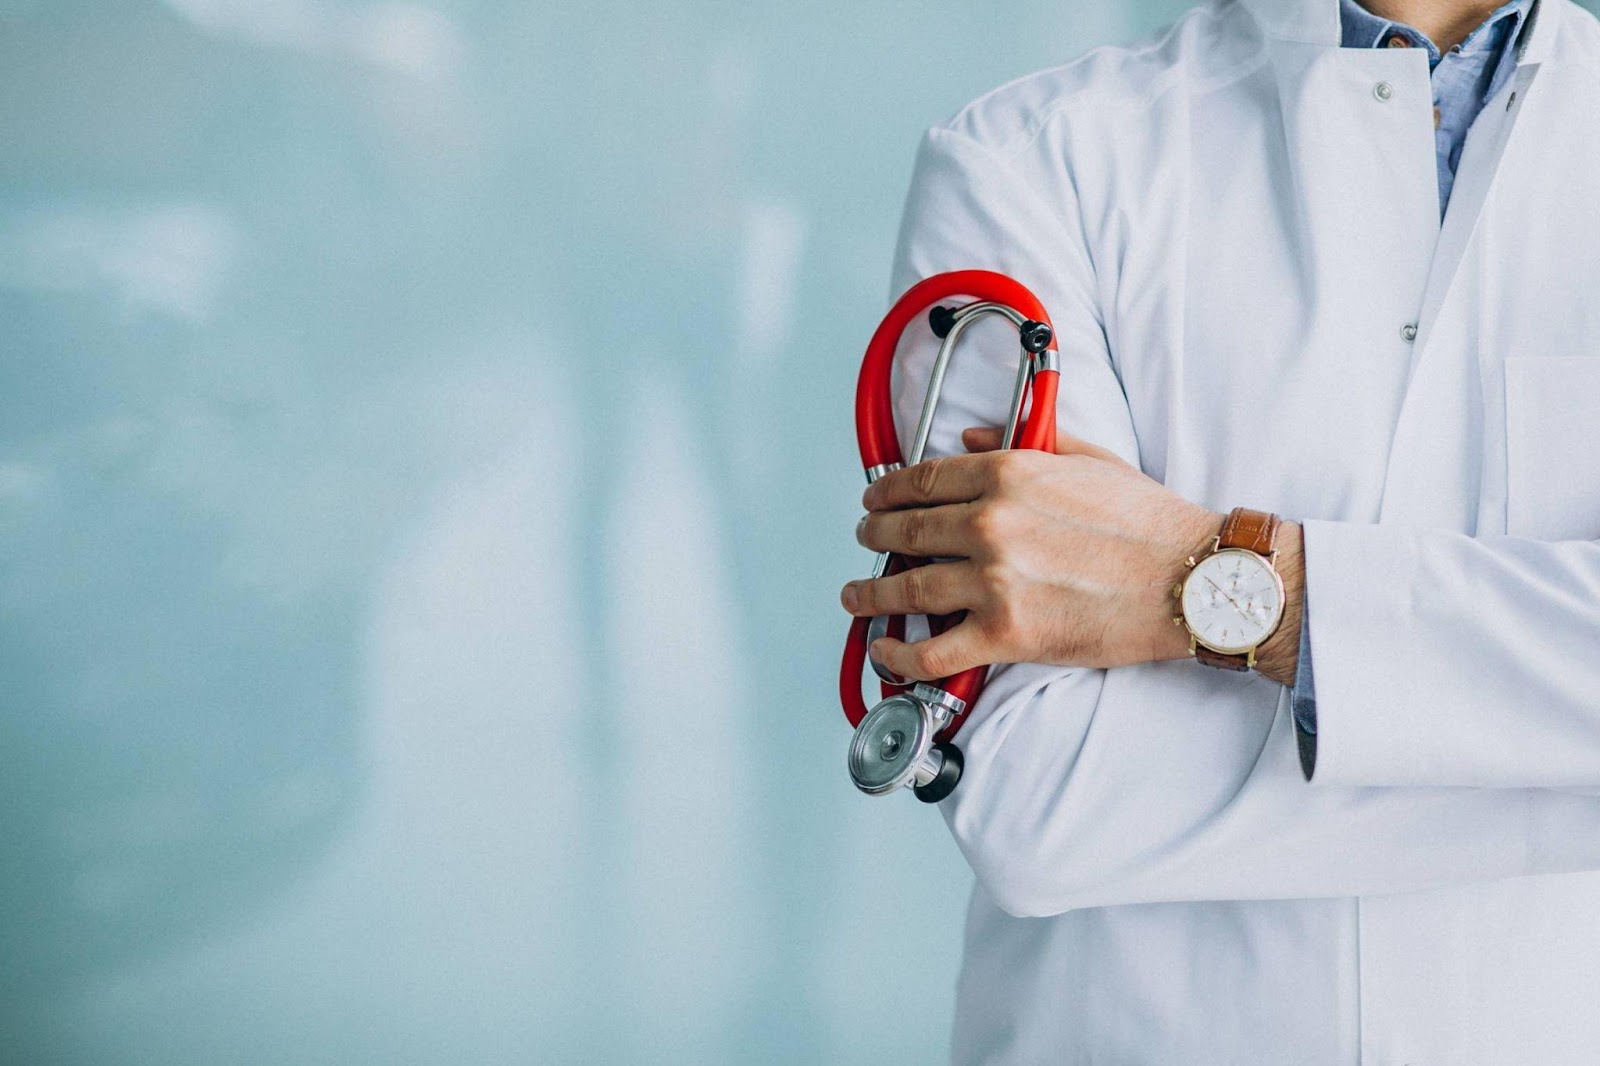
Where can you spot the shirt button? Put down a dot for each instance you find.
(1408, 333)
(1383, 90)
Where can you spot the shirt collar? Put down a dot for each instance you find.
(1360, 28)
(1317, 22)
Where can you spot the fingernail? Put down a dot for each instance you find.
(849, 597)
(875, 650)
(861, 530)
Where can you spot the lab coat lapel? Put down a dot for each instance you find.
(1480, 163)
(1481, 160)
(1362, 168)
(1436, 462)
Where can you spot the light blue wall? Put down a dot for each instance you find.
(425, 478)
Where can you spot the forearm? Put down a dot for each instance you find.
(1443, 659)
(1167, 782)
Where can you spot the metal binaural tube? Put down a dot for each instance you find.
(1018, 392)
(964, 317)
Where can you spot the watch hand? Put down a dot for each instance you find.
(1229, 598)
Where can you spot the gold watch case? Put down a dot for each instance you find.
(1181, 618)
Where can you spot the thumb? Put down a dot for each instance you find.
(982, 438)
(1067, 444)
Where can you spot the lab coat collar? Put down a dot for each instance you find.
(1317, 22)
(1301, 21)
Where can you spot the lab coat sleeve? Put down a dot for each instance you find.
(1164, 781)
(1444, 659)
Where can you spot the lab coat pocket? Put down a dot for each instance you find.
(1553, 447)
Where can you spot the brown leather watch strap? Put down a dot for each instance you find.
(1255, 531)
(1239, 662)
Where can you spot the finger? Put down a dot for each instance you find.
(1066, 444)
(982, 438)
(919, 531)
(957, 479)
(940, 588)
(948, 653)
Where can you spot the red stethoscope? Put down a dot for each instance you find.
(907, 739)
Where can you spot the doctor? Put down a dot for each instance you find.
(1341, 266)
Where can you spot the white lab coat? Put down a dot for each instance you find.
(1231, 226)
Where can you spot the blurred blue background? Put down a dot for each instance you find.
(426, 474)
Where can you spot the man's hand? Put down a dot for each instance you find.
(1066, 559)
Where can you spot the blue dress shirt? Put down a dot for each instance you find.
(1464, 79)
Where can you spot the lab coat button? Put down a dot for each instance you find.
(1383, 90)
(1408, 332)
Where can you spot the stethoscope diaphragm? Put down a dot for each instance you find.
(894, 747)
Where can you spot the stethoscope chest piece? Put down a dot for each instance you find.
(894, 746)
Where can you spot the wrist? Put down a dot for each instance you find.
(1279, 655)
(1192, 539)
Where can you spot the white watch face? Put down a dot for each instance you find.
(1232, 600)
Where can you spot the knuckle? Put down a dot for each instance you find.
(989, 525)
(995, 577)
(1012, 469)
(914, 530)
(981, 523)
(1004, 617)
(924, 479)
(1003, 470)
(915, 586)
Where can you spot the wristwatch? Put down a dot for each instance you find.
(1232, 599)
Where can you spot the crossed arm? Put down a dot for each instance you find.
(1155, 780)
(1066, 559)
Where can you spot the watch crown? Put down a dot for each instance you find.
(1177, 590)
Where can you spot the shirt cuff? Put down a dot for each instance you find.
(1303, 701)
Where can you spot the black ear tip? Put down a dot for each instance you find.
(944, 782)
(942, 320)
(1036, 336)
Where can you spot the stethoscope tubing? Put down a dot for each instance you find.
(879, 443)
(875, 429)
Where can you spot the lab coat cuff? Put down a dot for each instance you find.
(1362, 579)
